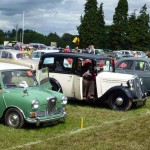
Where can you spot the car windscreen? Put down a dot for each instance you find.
(22, 56)
(18, 78)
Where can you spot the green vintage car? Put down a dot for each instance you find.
(23, 98)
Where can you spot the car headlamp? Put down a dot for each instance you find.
(35, 104)
(141, 81)
(64, 100)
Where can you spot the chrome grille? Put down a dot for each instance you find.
(51, 104)
(137, 87)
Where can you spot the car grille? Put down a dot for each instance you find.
(51, 105)
(138, 87)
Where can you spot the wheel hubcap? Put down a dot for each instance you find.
(13, 119)
(119, 101)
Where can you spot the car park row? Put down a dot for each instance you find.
(41, 97)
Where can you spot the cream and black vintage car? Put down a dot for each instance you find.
(120, 91)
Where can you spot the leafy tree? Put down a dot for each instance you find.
(52, 37)
(132, 34)
(88, 27)
(143, 21)
(100, 28)
(67, 39)
(118, 29)
(1, 37)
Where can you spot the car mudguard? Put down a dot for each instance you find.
(56, 83)
(125, 90)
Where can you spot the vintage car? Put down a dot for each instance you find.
(135, 65)
(24, 99)
(127, 53)
(119, 91)
(18, 57)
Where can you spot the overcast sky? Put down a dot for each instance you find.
(60, 16)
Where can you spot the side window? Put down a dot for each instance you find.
(4, 54)
(63, 64)
(146, 66)
(49, 62)
(9, 56)
(126, 65)
(141, 66)
(78, 67)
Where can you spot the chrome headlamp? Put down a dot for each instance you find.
(64, 100)
(141, 81)
(35, 104)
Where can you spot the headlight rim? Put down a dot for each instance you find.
(64, 100)
(35, 104)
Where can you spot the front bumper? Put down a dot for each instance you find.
(139, 100)
(38, 120)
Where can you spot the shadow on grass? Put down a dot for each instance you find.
(90, 103)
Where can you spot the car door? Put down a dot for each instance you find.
(78, 87)
(142, 69)
(61, 72)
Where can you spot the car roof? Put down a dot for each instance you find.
(8, 66)
(46, 51)
(13, 51)
(74, 55)
(134, 58)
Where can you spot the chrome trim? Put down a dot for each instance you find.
(38, 120)
(139, 100)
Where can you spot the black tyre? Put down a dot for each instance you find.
(119, 101)
(14, 118)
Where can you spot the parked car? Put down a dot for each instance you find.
(119, 91)
(24, 99)
(99, 52)
(18, 57)
(36, 55)
(127, 53)
(135, 65)
(139, 54)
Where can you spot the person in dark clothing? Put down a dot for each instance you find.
(88, 81)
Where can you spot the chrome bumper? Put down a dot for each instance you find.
(140, 99)
(39, 120)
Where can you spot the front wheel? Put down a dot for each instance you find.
(119, 101)
(14, 118)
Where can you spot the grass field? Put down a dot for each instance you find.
(103, 129)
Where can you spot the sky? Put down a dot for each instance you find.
(50, 16)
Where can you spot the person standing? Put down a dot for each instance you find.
(88, 81)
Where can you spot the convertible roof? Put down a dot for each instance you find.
(74, 55)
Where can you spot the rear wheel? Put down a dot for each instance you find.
(55, 86)
(119, 101)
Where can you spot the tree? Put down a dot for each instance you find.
(1, 37)
(100, 28)
(143, 21)
(88, 27)
(118, 29)
(52, 37)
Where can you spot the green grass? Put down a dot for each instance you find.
(103, 129)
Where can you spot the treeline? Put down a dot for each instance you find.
(128, 31)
